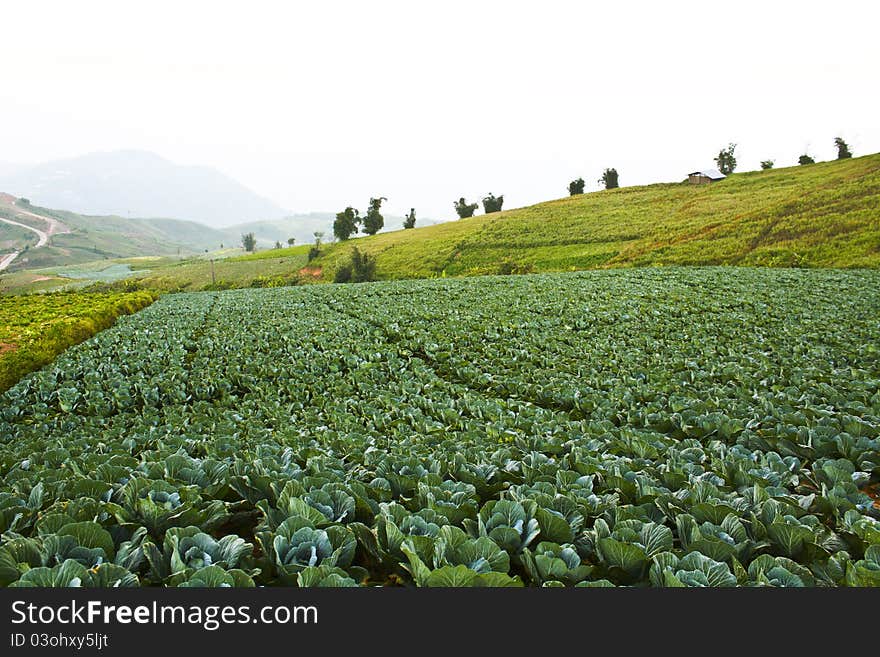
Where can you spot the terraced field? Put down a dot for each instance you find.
(652, 427)
(36, 328)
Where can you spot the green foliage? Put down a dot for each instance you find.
(491, 203)
(360, 269)
(290, 241)
(576, 187)
(843, 151)
(460, 433)
(249, 242)
(609, 179)
(345, 225)
(725, 160)
(764, 218)
(36, 328)
(277, 244)
(805, 159)
(465, 209)
(374, 221)
(767, 164)
(315, 250)
(508, 267)
(410, 219)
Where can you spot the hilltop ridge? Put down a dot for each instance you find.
(821, 215)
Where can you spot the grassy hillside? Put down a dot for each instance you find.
(826, 214)
(270, 268)
(13, 238)
(95, 238)
(822, 215)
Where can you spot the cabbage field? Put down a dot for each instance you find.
(646, 427)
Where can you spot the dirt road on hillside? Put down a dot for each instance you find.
(55, 227)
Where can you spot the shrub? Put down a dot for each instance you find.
(725, 160)
(508, 267)
(410, 219)
(576, 187)
(465, 209)
(492, 204)
(360, 269)
(609, 179)
(843, 151)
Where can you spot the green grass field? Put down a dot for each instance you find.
(270, 268)
(36, 328)
(822, 215)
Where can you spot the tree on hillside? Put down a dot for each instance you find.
(291, 241)
(249, 242)
(410, 220)
(492, 204)
(374, 221)
(315, 251)
(767, 164)
(806, 159)
(843, 151)
(609, 179)
(725, 160)
(576, 187)
(346, 224)
(465, 209)
(277, 244)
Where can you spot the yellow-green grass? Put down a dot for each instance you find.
(36, 328)
(821, 215)
(29, 281)
(255, 270)
(268, 254)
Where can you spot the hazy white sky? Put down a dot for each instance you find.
(321, 105)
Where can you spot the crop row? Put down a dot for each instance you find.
(652, 427)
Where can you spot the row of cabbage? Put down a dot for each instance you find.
(651, 427)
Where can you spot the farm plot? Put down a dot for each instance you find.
(663, 427)
(36, 328)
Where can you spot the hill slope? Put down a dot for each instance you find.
(300, 226)
(140, 184)
(825, 214)
(85, 238)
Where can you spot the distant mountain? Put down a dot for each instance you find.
(139, 184)
(301, 227)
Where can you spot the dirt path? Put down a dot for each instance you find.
(7, 259)
(55, 228)
(44, 237)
